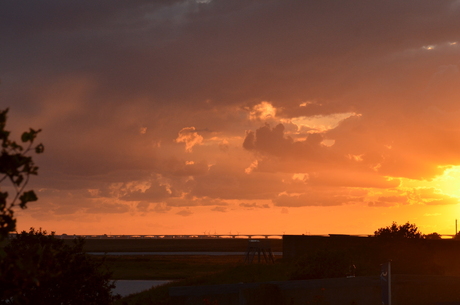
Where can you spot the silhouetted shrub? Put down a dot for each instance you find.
(433, 235)
(394, 231)
(38, 268)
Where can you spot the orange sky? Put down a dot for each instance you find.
(192, 117)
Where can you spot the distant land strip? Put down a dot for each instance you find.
(213, 236)
(210, 236)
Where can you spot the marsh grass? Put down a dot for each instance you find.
(219, 271)
(185, 269)
(156, 267)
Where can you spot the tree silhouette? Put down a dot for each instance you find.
(433, 235)
(51, 272)
(36, 268)
(16, 166)
(394, 231)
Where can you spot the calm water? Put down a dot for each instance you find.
(127, 287)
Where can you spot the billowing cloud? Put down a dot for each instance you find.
(262, 111)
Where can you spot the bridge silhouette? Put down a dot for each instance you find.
(175, 236)
(203, 236)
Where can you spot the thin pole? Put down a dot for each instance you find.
(455, 228)
(389, 283)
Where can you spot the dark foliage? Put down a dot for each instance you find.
(405, 246)
(41, 269)
(433, 235)
(404, 231)
(37, 268)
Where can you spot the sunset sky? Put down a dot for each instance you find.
(241, 116)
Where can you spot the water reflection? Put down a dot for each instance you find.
(127, 287)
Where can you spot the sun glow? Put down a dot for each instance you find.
(447, 184)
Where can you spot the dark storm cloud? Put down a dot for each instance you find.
(224, 50)
(274, 141)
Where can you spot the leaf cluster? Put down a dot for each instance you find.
(16, 166)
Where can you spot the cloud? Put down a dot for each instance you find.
(388, 201)
(184, 213)
(190, 137)
(224, 146)
(254, 205)
(107, 207)
(143, 206)
(431, 215)
(184, 168)
(188, 200)
(154, 193)
(432, 196)
(226, 181)
(274, 142)
(262, 111)
(351, 178)
(267, 139)
(349, 96)
(414, 196)
(219, 209)
(161, 207)
(317, 198)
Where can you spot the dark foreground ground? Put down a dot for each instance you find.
(221, 280)
(407, 290)
(158, 267)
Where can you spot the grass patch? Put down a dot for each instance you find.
(221, 274)
(156, 267)
(188, 270)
